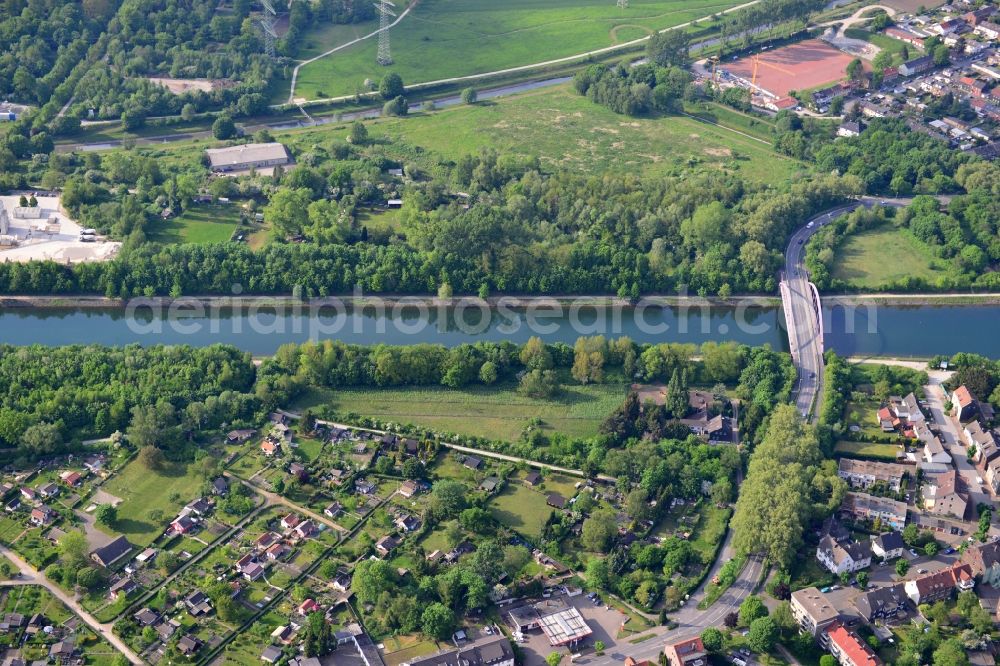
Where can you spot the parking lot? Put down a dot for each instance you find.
(49, 234)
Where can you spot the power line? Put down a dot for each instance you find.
(385, 13)
(267, 22)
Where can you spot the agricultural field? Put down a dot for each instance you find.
(147, 493)
(447, 38)
(496, 412)
(199, 224)
(876, 257)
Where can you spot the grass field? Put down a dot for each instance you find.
(867, 449)
(884, 42)
(877, 257)
(494, 412)
(144, 491)
(521, 509)
(565, 130)
(446, 38)
(199, 224)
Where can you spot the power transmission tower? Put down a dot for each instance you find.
(267, 22)
(385, 13)
(622, 4)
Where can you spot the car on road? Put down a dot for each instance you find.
(914, 553)
(800, 241)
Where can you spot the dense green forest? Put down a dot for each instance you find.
(51, 396)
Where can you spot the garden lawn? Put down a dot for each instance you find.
(446, 38)
(867, 449)
(521, 509)
(143, 490)
(878, 257)
(498, 412)
(199, 224)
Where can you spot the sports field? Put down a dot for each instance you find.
(447, 38)
(802, 66)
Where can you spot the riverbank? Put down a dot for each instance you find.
(516, 302)
(911, 299)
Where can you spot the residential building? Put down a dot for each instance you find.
(247, 156)
(386, 544)
(555, 500)
(888, 546)
(848, 648)
(472, 462)
(532, 479)
(934, 451)
(849, 128)
(943, 495)
(270, 447)
(984, 561)
(813, 612)
(122, 588)
(409, 488)
(42, 515)
(111, 553)
(880, 603)
(964, 404)
(866, 473)
(688, 652)
(939, 585)
(487, 651)
(862, 506)
(844, 557)
(916, 66)
(240, 436)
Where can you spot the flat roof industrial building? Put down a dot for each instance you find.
(247, 156)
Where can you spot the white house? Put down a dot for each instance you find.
(888, 546)
(841, 558)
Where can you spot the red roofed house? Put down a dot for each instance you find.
(849, 649)
(290, 521)
(266, 539)
(886, 420)
(308, 606)
(689, 652)
(940, 585)
(905, 36)
(270, 447)
(71, 478)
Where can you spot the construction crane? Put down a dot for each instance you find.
(755, 63)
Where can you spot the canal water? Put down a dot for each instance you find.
(905, 331)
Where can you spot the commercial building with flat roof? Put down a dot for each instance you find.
(561, 624)
(247, 156)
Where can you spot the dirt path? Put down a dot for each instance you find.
(295, 72)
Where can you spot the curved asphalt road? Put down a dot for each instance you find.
(804, 331)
